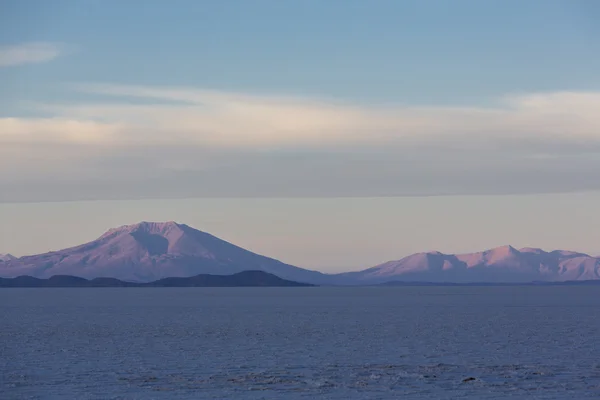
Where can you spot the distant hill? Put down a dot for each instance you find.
(240, 279)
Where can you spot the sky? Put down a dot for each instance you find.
(333, 135)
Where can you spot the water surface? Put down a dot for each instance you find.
(297, 343)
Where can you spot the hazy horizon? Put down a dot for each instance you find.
(330, 235)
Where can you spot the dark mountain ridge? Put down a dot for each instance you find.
(240, 279)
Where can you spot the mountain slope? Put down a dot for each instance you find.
(502, 264)
(149, 251)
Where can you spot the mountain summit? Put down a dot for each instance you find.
(148, 251)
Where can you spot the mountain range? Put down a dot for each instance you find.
(502, 264)
(150, 251)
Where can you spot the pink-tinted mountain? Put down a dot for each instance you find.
(502, 264)
(149, 251)
(7, 257)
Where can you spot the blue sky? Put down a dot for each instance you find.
(105, 100)
(416, 52)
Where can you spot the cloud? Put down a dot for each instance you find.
(28, 53)
(55, 130)
(233, 119)
(190, 142)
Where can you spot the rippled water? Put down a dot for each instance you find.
(292, 343)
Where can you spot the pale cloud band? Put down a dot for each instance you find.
(29, 53)
(194, 142)
(239, 120)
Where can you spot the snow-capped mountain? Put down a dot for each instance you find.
(149, 251)
(501, 264)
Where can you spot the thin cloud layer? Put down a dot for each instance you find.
(208, 143)
(28, 53)
(212, 118)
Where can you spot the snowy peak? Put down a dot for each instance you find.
(7, 257)
(157, 228)
(533, 250)
(158, 238)
(502, 252)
